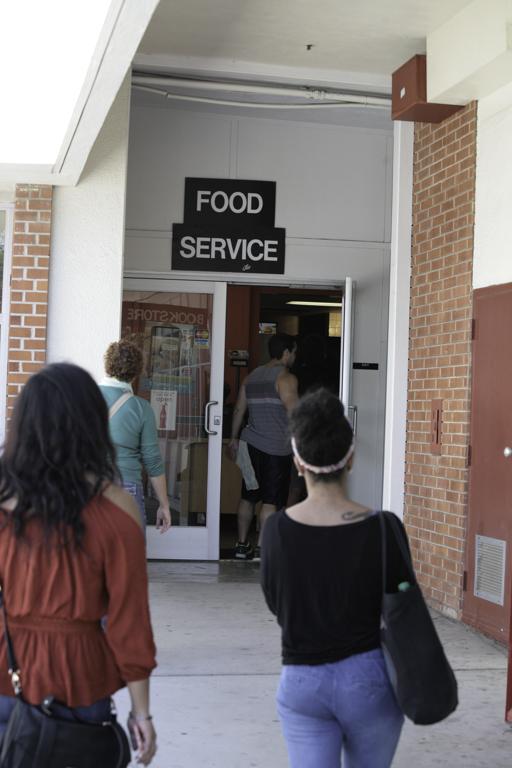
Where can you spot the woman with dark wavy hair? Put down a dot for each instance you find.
(321, 573)
(71, 552)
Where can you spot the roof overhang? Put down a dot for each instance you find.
(119, 39)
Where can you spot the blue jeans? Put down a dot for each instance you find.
(346, 708)
(98, 712)
(136, 490)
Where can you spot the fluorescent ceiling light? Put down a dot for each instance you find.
(315, 303)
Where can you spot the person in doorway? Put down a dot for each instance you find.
(321, 574)
(133, 429)
(72, 551)
(269, 393)
(313, 371)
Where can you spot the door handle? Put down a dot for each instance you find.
(207, 417)
(353, 408)
(507, 452)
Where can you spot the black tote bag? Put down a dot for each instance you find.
(420, 674)
(35, 739)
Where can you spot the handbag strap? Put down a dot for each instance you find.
(122, 743)
(14, 672)
(119, 404)
(402, 545)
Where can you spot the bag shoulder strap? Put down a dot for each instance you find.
(400, 540)
(13, 670)
(119, 404)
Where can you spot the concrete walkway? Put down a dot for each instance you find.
(218, 656)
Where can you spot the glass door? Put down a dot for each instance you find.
(346, 394)
(180, 326)
(347, 313)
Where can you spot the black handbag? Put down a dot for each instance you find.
(420, 674)
(35, 737)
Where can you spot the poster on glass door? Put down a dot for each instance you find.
(163, 403)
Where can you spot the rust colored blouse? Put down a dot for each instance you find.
(55, 598)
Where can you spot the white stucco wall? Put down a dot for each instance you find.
(86, 262)
(492, 263)
(6, 193)
(398, 333)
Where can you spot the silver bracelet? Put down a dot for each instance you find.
(140, 718)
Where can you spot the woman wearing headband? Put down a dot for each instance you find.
(321, 576)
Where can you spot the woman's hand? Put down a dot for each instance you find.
(143, 738)
(163, 513)
(163, 519)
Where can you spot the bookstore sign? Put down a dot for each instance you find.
(228, 226)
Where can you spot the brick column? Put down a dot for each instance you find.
(436, 486)
(29, 286)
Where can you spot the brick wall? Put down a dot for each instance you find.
(439, 353)
(29, 286)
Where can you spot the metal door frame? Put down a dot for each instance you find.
(191, 542)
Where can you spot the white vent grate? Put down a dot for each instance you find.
(490, 569)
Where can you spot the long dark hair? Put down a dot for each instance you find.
(58, 454)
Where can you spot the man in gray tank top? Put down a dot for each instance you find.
(268, 393)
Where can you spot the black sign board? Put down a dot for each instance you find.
(233, 204)
(365, 366)
(214, 251)
(229, 227)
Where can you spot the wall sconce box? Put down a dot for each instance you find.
(409, 95)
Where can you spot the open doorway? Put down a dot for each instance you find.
(253, 314)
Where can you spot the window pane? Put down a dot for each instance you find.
(173, 332)
(2, 248)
